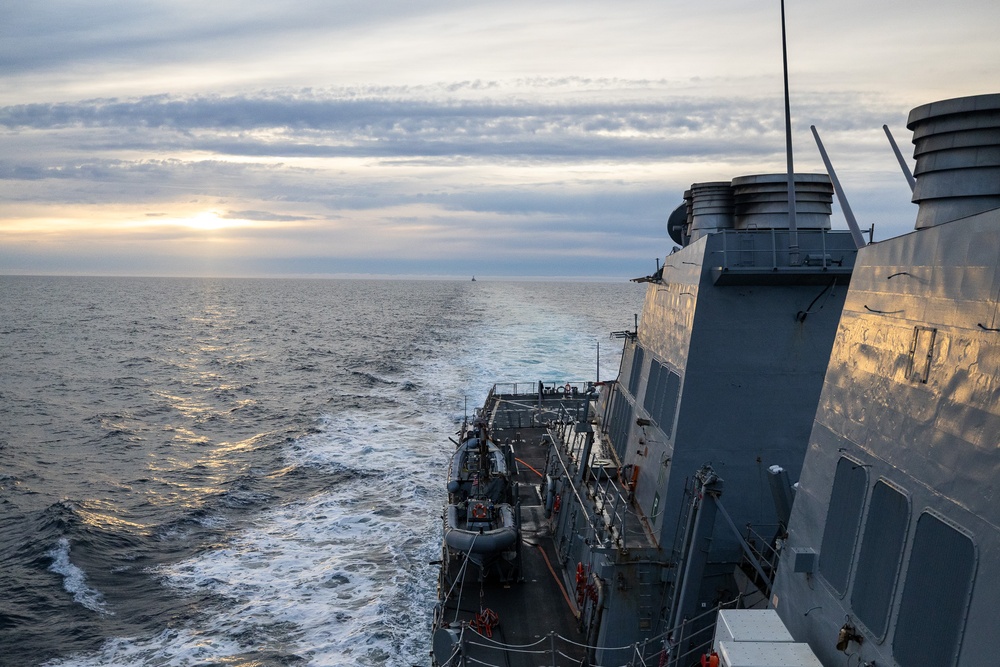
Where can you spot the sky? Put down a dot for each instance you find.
(442, 137)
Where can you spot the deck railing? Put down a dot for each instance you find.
(550, 388)
(475, 648)
(753, 249)
(610, 500)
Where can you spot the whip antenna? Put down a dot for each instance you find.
(793, 231)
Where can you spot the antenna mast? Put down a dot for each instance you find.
(899, 158)
(793, 231)
(598, 362)
(852, 222)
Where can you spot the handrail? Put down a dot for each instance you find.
(733, 256)
(550, 387)
(638, 652)
(613, 502)
(762, 546)
(569, 480)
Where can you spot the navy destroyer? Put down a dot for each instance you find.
(654, 519)
(797, 463)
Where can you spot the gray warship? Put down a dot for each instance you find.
(798, 462)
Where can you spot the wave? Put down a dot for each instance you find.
(371, 380)
(298, 545)
(75, 580)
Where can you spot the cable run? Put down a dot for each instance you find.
(528, 466)
(562, 588)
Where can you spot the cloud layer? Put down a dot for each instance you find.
(448, 138)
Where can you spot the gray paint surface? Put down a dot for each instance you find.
(751, 376)
(913, 394)
(751, 370)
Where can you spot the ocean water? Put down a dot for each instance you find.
(250, 472)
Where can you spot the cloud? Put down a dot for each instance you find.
(400, 131)
(342, 123)
(585, 168)
(262, 216)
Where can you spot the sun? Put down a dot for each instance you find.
(209, 221)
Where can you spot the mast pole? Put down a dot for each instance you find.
(852, 222)
(899, 158)
(793, 232)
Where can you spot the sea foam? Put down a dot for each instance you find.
(75, 580)
(346, 571)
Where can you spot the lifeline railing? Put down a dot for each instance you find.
(576, 387)
(552, 649)
(762, 544)
(527, 404)
(611, 504)
(750, 248)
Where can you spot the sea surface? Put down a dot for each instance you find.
(251, 472)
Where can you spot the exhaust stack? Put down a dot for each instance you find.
(957, 149)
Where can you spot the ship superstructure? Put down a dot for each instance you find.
(721, 376)
(893, 553)
(798, 463)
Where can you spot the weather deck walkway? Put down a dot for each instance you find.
(541, 588)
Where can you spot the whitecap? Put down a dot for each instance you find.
(347, 570)
(170, 648)
(75, 579)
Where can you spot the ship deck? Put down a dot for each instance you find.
(540, 592)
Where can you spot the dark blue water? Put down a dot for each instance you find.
(248, 472)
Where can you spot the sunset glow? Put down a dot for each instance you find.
(210, 221)
(406, 141)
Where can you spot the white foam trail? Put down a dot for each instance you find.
(340, 578)
(345, 573)
(170, 648)
(75, 580)
(539, 339)
(338, 574)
